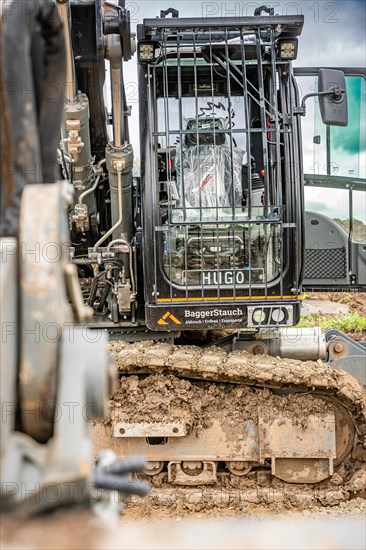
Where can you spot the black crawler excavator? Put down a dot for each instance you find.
(193, 253)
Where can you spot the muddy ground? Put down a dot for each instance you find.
(337, 528)
(136, 510)
(196, 403)
(167, 397)
(355, 301)
(244, 525)
(161, 398)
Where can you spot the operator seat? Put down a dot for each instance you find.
(209, 171)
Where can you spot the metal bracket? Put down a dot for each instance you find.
(174, 13)
(346, 354)
(73, 142)
(266, 9)
(335, 92)
(150, 429)
(177, 476)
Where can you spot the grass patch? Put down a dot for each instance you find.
(352, 322)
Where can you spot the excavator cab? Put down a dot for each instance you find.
(209, 232)
(221, 172)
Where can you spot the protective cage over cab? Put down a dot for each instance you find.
(221, 172)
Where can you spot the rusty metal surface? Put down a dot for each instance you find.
(311, 436)
(298, 445)
(206, 475)
(302, 470)
(32, 88)
(45, 311)
(217, 442)
(300, 450)
(300, 453)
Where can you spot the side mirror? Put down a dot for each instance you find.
(333, 107)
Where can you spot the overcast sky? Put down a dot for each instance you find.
(333, 35)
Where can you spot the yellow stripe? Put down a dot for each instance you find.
(229, 298)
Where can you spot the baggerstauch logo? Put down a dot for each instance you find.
(168, 317)
(214, 313)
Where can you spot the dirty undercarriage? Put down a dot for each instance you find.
(211, 424)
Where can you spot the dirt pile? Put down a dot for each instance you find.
(216, 365)
(166, 398)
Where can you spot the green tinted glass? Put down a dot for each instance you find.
(342, 150)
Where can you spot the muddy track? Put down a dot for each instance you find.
(162, 383)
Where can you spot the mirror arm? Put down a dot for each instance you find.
(335, 92)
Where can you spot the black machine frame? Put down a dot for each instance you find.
(274, 143)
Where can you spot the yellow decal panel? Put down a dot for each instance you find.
(171, 317)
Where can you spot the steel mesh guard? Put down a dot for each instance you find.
(218, 215)
(325, 263)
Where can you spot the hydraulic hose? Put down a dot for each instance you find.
(95, 184)
(125, 243)
(119, 168)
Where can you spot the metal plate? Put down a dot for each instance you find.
(302, 470)
(218, 442)
(300, 453)
(283, 437)
(149, 429)
(44, 308)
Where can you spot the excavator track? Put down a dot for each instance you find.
(220, 428)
